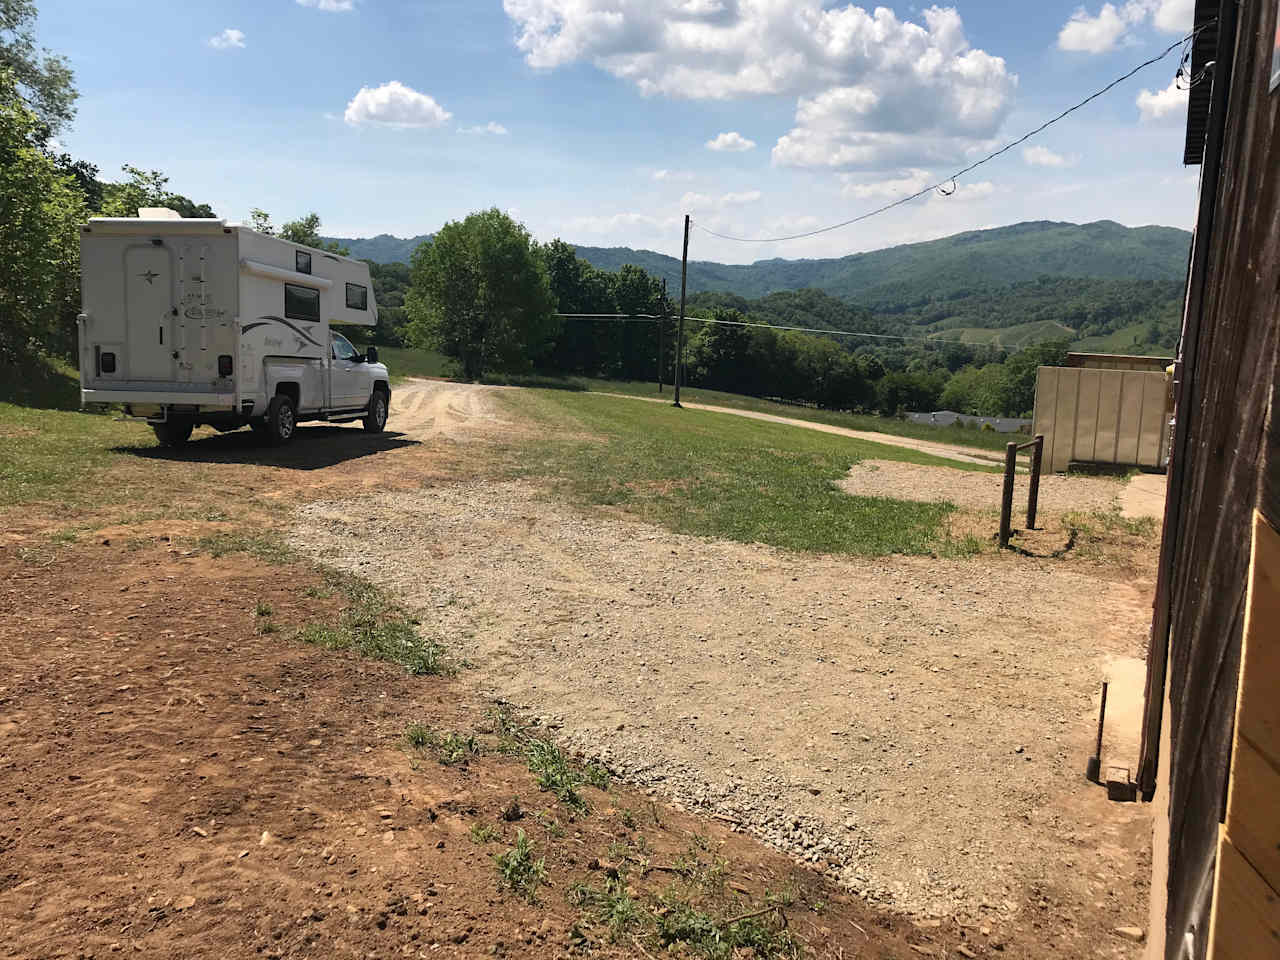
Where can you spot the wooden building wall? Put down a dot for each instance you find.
(1226, 392)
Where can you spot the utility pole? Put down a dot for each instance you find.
(684, 274)
(661, 323)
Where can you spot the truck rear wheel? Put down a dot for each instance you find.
(375, 420)
(282, 419)
(173, 432)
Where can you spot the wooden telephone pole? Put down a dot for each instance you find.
(684, 273)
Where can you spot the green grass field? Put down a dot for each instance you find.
(718, 475)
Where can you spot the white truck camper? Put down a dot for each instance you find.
(200, 321)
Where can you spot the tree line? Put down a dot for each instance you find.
(488, 295)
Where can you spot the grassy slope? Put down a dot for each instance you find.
(960, 436)
(712, 474)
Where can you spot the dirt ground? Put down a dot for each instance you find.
(150, 735)
(980, 491)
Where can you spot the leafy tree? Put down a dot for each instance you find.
(42, 79)
(307, 232)
(260, 221)
(481, 294)
(146, 188)
(40, 211)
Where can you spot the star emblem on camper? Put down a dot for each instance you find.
(150, 277)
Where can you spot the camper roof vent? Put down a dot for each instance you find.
(158, 213)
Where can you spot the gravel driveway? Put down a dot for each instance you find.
(914, 726)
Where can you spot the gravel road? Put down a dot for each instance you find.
(915, 726)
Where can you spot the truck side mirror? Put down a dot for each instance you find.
(371, 355)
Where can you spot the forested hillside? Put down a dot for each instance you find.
(1100, 285)
(384, 248)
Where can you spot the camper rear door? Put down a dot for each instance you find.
(148, 308)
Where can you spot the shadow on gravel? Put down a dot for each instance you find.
(312, 448)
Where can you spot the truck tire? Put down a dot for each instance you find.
(375, 420)
(173, 432)
(282, 419)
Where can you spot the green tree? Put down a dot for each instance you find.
(42, 79)
(40, 212)
(146, 188)
(307, 232)
(482, 295)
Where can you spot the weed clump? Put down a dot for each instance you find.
(450, 748)
(519, 871)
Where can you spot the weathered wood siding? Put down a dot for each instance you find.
(1227, 394)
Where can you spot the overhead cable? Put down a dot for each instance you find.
(947, 181)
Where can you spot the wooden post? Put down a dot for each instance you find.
(1033, 496)
(684, 274)
(1006, 502)
(662, 320)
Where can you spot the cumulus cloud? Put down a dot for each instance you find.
(731, 141)
(1105, 30)
(903, 185)
(496, 129)
(329, 6)
(1044, 157)
(1158, 105)
(628, 221)
(672, 175)
(394, 105)
(872, 89)
(702, 201)
(227, 40)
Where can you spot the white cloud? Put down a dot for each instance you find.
(629, 222)
(1044, 157)
(496, 129)
(1170, 101)
(874, 90)
(731, 141)
(329, 6)
(904, 185)
(701, 201)
(1098, 33)
(394, 105)
(227, 40)
(673, 175)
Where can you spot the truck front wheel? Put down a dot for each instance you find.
(282, 419)
(173, 432)
(375, 420)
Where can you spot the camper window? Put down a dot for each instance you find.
(301, 303)
(357, 297)
(301, 261)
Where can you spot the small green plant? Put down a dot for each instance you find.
(483, 833)
(262, 609)
(555, 773)
(317, 593)
(519, 871)
(267, 626)
(628, 819)
(450, 749)
(417, 735)
(611, 905)
(375, 627)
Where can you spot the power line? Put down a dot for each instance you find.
(973, 166)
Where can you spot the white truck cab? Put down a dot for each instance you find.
(198, 321)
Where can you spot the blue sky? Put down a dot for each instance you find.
(604, 121)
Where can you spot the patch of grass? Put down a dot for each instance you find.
(403, 362)
(450, 748)
(1098, 534)
(611, 905)
(719, 475)
(483, 833)
(269, 546)
(262, 609)
(267, 626)
(559, 775)
(681, 924)
(519, 871)
(957, 435)
(376, 627)
(628, 818)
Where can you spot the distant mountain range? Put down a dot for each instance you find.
(384, 248)
(1118, 288)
